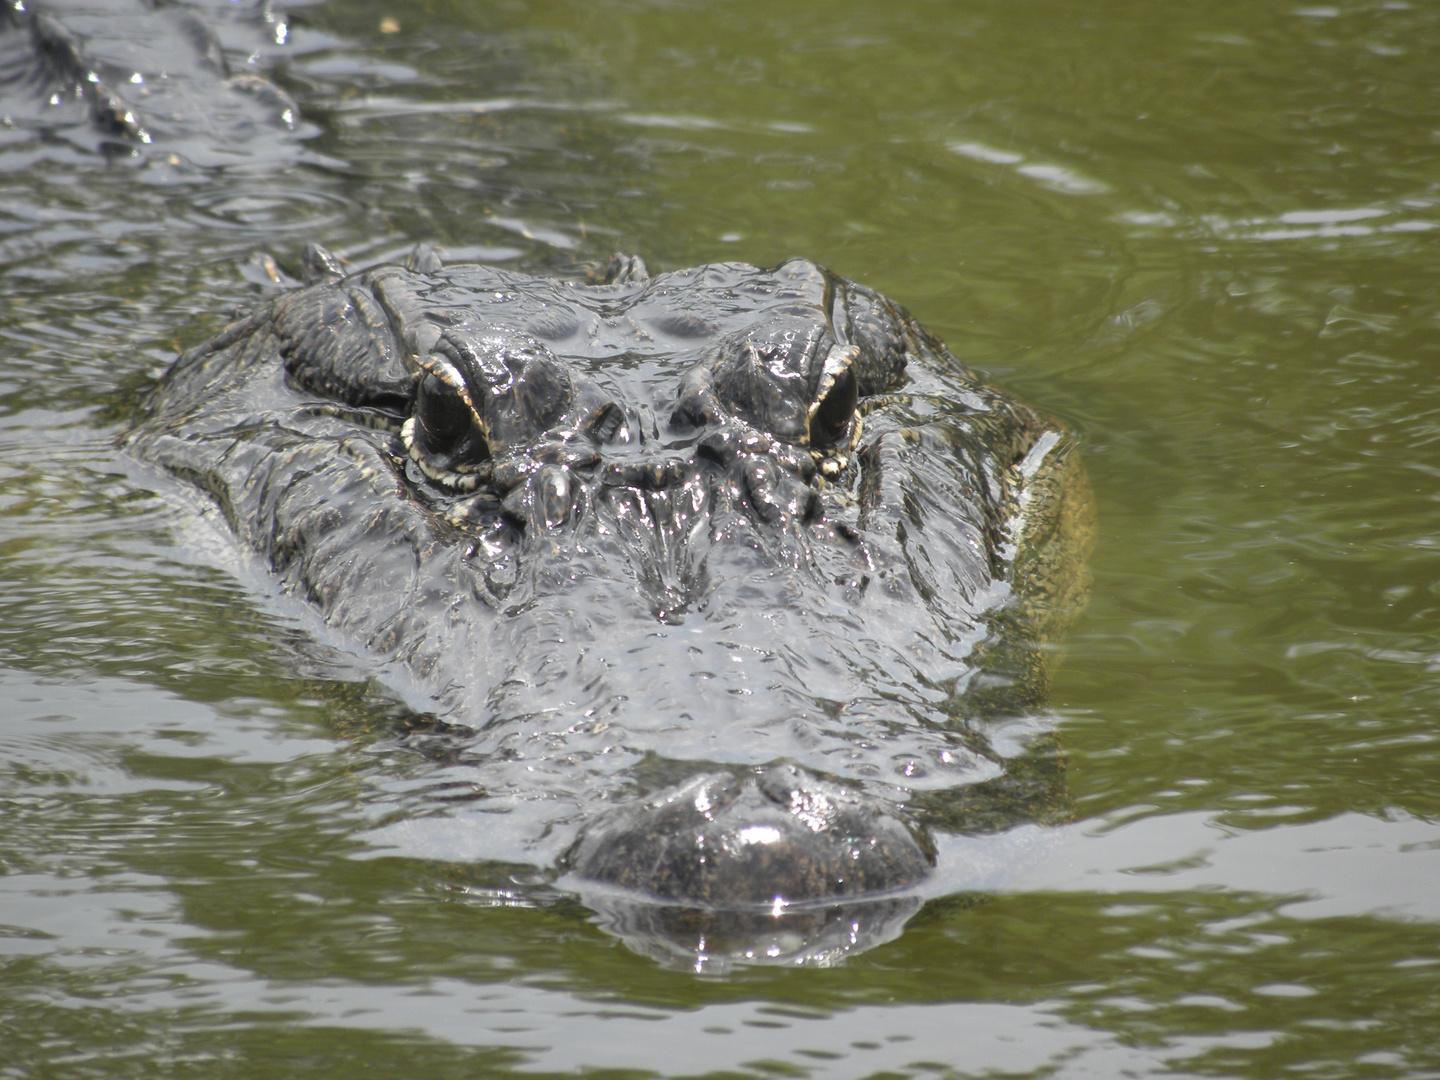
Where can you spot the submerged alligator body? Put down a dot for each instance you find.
(129, 74)
(733, 581)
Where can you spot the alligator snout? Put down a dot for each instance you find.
(772, 838)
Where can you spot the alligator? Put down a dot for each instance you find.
(733, 583)
(133, 75)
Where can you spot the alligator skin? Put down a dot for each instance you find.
(731, 584)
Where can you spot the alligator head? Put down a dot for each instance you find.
(733, 575)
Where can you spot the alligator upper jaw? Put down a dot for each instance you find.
(773, 865)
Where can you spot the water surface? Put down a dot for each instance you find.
(1202, 235)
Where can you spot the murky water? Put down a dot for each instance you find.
(1203, 234)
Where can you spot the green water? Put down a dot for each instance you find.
(1202, 234)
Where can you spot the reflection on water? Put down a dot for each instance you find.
(1200, 234)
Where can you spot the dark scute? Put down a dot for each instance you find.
(318, 264)
(775, 495)
(625, 269)
(607, 423)
(424, 259)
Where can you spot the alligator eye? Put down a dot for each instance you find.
(444, 419)
(830, 419)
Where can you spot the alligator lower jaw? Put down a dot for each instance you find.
(771, 865)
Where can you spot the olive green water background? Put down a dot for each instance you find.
(1203, 234)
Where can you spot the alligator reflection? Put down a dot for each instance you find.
(710, 940)
(737, 580)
